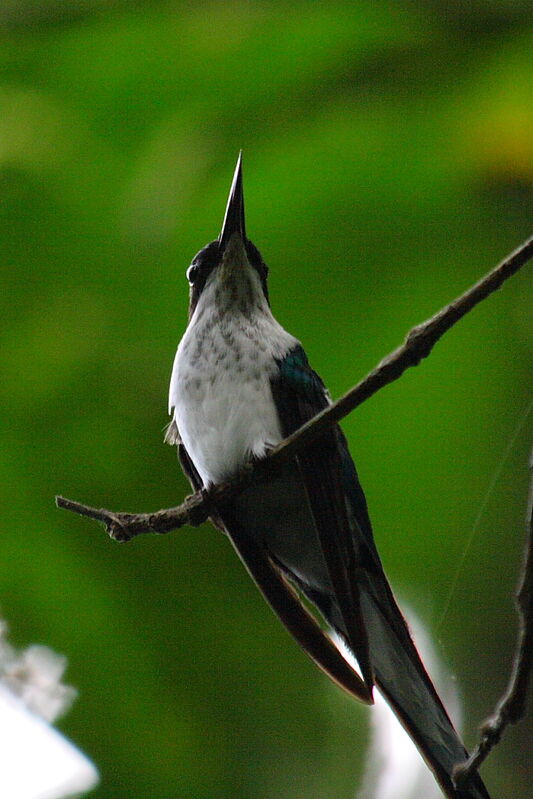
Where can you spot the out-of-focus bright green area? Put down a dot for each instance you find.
(388, 163)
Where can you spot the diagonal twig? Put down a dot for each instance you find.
(512, 706)
(418, 344)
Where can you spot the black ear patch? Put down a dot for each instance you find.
(201, 267)
(256, 260)
(203, 263)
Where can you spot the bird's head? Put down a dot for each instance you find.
(230, 268)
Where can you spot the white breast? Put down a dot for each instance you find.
(220, 387)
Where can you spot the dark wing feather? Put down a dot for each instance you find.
(287, 605)
(278, 592)
(373, 624)
(299, 395)
(172, 437)
(189, 468)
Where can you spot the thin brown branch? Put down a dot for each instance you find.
(418, 344)
(125, 526)
(512, 706)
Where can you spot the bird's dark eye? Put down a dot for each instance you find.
(203, 264)
(192, 273)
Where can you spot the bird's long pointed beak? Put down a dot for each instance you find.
(234, 216)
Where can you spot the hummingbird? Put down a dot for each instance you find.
(240, 384)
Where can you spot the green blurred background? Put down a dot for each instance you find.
(388, 164)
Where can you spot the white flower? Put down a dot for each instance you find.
(36, 761)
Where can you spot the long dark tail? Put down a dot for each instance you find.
(404, 682)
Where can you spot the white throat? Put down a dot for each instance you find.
(220, 394)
